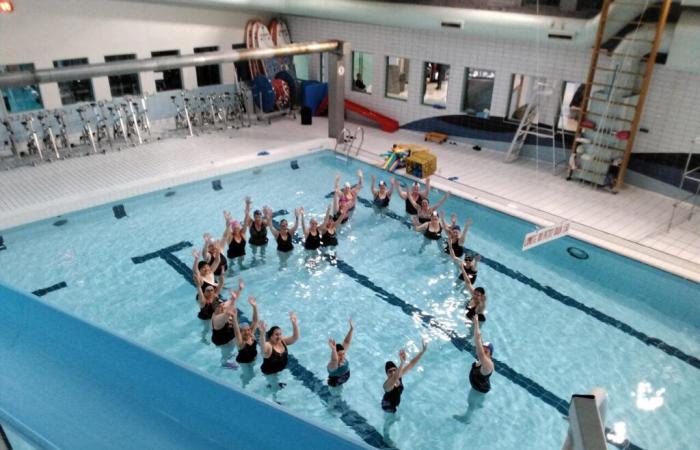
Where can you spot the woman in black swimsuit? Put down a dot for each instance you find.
(209, 250)
(415, 193)
(477, 304)
(246, 343)
(424, 210)
(257, 229)
(432, 229)
(393, 386)
(284, 237)
(207, 292)
(274, 349)
(382, 196)
(479, 375)
(455, 235)
(329, 228)
(312, 234)
(222, 329)
(234, 237)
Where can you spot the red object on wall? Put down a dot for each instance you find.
(588, 124)
(6, 6)
(622, 135)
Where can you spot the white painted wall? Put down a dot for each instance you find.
(671, 108)
(41, 31)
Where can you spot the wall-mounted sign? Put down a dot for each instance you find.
(545, 235)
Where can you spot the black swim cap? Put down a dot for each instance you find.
(257, 212)
(389, 365)
(480, 290)
(339, 347)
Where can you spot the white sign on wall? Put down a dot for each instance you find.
(545, 235)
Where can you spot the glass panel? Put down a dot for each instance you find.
(301, 66)
(242, 67)
(436, 77)
(167, 80)
(572, 99)
(478, 91)
(121, 85)
(397, 77)
(209, 74)
(22, 98)
(362, 72)
(77, 90)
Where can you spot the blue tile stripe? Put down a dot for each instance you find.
(462, 343)
(43, 291)
(348, 416)
(565, 299)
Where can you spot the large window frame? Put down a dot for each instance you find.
(402, 78)
(123, 85)
(75, 91)
(170, 79)
(438, 73)
(359, 74)
(210, 74)
(21, 98)
(479, 76)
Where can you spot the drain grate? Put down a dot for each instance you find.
(577, 253)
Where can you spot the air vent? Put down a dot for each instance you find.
(566, 37)
(456, 24)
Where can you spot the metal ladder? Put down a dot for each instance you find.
(688, 175)
(349, 141)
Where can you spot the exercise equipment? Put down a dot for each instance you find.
(49, 137)
(87, 135)
(101, 128)
(33, 143)
(10, 138)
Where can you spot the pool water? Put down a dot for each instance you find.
(560, 325)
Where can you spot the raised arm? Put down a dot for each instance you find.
(394, 377)
(226, 237)
(467, 281)
(303, 223)
(200, 294)
(254, 303)
(443, 222)
(296, 222)
(195, 265)
(205, 246)
(426, 192)
(333, 364)
(360, 179)
(217, 257)
(273, 229)
(374, 191)
(265, 346)
(289, 340)
(241, 286)
(348, 337)
(401, 192)
(413, 202)
(486, 363)
(442, 200)
(337, 182)
(219, 320)
(220, 285)
(415, 359)
(463, 236)
(392, 182)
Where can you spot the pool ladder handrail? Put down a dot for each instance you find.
(361, 132)
(345, 137)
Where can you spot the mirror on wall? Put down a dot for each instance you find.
(362, 72)
(397, 77)
(478, 91)
(570, 108)
(436, 78)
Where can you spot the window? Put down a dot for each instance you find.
(397, 78)
(362, 72)
(121, 85)
(570, 108)
(478, 90)
(301, 66)
(22, 98)
(242, 67)
(167, 80)
(77, 90)
(209, 74)
(436, 77)
(519, 92)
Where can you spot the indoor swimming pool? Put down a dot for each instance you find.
(560, 325)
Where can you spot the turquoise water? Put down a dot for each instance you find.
(559, 325)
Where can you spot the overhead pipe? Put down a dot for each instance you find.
(23, 78)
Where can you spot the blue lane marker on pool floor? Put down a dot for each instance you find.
(119, 211)
(294, 164)
(43, 291)
(568, 301)
(348, 416)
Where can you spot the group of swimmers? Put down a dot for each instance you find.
(221, 316)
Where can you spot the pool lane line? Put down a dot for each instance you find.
(348, 416)
(462, 343)
(567, 300)
(43, 291)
